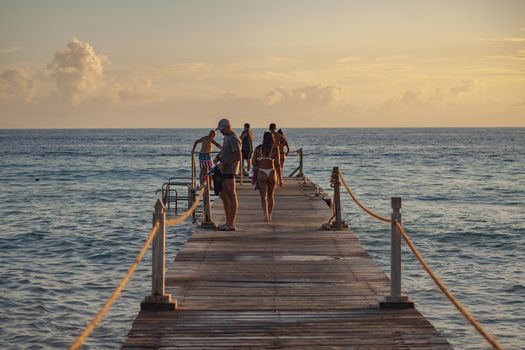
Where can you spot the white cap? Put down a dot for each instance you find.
(222, 124)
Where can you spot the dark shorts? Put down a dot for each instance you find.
(218, 180)
(246, 154)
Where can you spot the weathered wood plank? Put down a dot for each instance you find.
(281, 285)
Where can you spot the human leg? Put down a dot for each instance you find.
(263, 191)
(225, 202)
(231, 193)
(272, 180)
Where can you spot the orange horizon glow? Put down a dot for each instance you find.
(299, 63)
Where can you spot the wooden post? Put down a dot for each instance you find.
(337, 197)
(395, 300)
(158, 300)
(191, 199)
(207, 222)
(301, 174)
(338, 224)
(193, 171)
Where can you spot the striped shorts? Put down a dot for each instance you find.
(205, 161)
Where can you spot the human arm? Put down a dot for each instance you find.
(216, 143)
(196, 143)
(285, 144)
(277, 163)
(255, 155)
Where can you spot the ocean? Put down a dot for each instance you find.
(76, 205)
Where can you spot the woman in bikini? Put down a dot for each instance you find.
(266, 159)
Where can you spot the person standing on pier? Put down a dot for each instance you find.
(228, 159)
(247, 148)
(283, 143)
(278, 140)
(205, 163)
(266, 159)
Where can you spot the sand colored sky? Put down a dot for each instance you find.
(128, 64)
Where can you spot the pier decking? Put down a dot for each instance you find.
(286, 284)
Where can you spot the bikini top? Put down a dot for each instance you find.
(267, 158)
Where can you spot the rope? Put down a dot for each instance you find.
(188, 212)
(359, 203)
(486, 334)
(468, 316)
(116, 293)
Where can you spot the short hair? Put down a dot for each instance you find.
(247, 125)
(272, 126)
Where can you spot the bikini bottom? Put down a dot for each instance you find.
(268, 172)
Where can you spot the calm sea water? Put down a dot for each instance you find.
(75, 207)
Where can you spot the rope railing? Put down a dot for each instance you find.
(359, 203)
(116, 293)
(467, 314)
(188, 212)
(402, 232)
(158, 223)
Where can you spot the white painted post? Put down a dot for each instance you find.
(158, 300)
(395, 300)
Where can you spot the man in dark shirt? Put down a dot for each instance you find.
(229, 158)
(247, 148)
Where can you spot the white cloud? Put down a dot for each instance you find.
(78, 71)
(10, 50)
(313, 96)
(411, 97)
(137, 92)
(505, 39)
(466, 85)
(16, 84)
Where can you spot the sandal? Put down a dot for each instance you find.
(224, 227)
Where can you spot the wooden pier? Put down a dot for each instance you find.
(282, 285)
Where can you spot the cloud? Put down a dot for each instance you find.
(10, 50)
(411, 97)
(78, 71)
(466, 85)
(520, 53)
(139, 91)
(505, 39)
(16, 84)
(519, 104)
(313, 96)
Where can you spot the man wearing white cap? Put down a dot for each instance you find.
(229, 158)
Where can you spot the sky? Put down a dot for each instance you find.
(299, 63)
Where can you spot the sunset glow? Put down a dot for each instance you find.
(132, 64)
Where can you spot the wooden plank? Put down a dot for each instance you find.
(285, 284)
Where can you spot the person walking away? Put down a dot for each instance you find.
(228, 159)
(276, 138)
(282, 144)
(205, 163)
(247, 148)
(266, 159)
